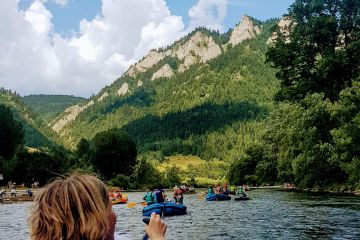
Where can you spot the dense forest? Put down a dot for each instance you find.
(36, 133)
(47, 107)
(312, 138)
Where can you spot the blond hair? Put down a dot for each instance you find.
(75, 207)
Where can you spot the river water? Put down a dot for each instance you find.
(269, 214)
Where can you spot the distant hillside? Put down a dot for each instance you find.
(37, 134)
(207, 95)
(47, 107)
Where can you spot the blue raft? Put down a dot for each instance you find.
(217, 197)
(169, 209)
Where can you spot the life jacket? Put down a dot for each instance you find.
(149, 197)
(159, 196)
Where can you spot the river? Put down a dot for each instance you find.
(269, 214)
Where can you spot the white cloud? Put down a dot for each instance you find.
(35, 59)
(61, 2)
(208, 13)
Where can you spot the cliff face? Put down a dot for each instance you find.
(71, 114)
(165, 72)
(149, 61)
(199, 48)
(244, 31)
(123, 89)
(284, 27)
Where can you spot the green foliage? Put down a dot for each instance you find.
(47, 107)
(121, 180)
(11, 133)
(36, 133)
(347, 133)
(172, 176)
(114, 153)
(145, 173)
(26, 167)
(321, 53)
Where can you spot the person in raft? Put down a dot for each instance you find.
(240, 192)
(79, 208)
(210, 190)
(179, 196)
(160, 195)
(149, 197)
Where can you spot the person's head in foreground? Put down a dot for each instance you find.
(78, 207)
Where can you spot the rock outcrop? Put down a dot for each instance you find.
(123, 89)
(103, 96)
(149, 61)
(139, 83)
(166, 72)
(70, 115)
(244, 31)
(284, 26)
(199, 48)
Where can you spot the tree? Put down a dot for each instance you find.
(321, 53)
(347, 133)
(83, 155)
(11, 133)
(114, 152)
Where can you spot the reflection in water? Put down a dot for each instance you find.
(268, 215)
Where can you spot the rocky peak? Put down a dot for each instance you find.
(284, 26)
(166, 71)
(199, 48)
(244, 31)
(147, 62)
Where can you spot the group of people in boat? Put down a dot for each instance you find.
(223, 189)
(158, 196)
(154, 196)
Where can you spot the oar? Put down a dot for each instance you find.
(133, 204)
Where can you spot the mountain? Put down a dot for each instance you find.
(47, 107)
(36, 133)
(207, 94)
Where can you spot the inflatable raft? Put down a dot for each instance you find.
(165, 209)
(121, 200)
(218, 197)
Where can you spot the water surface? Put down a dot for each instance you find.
(269, 214)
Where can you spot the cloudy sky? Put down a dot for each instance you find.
(76, 47)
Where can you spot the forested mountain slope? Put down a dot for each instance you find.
(47, 107)
(36, 133)
(207, 94)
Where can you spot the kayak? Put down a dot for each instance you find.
(166, 209)
(241, 198)
(217, 197)
(122, 200)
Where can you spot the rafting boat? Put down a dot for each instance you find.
(121, 200)
(218, 197)
(165, 209)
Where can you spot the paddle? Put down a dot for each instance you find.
(133, 204)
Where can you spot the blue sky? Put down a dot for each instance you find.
(79, 46)
(66, 18)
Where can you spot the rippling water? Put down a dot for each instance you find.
(268, 215)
